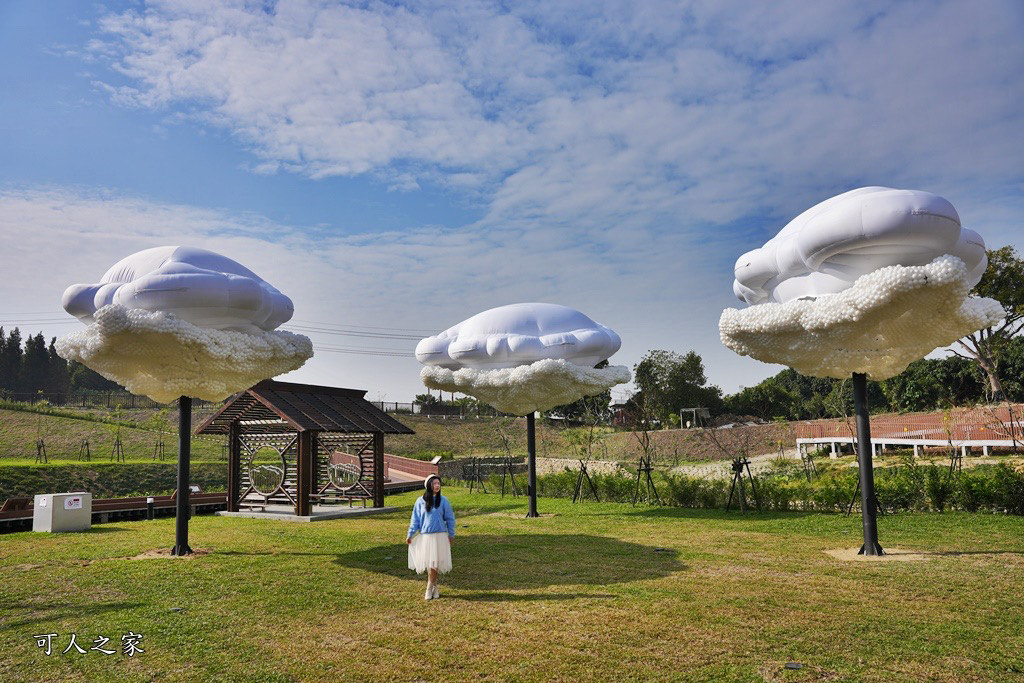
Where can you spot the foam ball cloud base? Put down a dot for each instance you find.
(883, 322)
(541, 385)
(157, 354)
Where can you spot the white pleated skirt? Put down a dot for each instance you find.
(430, 551)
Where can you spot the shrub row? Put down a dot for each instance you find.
(107, 480)
(984, 488)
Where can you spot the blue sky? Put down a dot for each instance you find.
(395, 168)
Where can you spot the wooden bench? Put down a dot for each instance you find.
(16, 504)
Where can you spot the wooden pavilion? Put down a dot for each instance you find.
(301, 426)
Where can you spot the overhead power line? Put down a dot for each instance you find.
(353, 333)
(358, 352)
(312, 325)
(40, 321)
(339, 326)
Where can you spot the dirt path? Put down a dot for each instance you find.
(761, 463)
(723, 468)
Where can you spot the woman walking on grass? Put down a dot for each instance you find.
(431, 549)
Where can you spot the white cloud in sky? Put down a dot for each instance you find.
(596, 113)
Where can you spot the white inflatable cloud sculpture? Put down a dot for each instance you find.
(513, 335)
(523, 357)
(180, 321)
(196, 285)
(826, 248)
(843, 289)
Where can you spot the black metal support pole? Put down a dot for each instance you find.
(531, 450)
(181, 546)
(868, 501)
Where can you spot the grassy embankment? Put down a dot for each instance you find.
(63, 431)
(671, 446)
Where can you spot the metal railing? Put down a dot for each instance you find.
(997, 422)
(437, 409)
(90, 399)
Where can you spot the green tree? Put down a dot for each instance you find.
(930, 383)
(58, 380)
(810, 393)
(81, 377)
(839, 400)
(767, 400)
(588, 408)
(35, 365)
(10, 360)
(1003, 281)
(669, 381)
(1012, 366)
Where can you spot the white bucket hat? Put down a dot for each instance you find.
(426, 482)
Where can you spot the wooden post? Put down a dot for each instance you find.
(305, 462)
(234, 465)
(378, 469)
(314, 470)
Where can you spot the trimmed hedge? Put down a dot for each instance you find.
(107, 480)
(984, 488)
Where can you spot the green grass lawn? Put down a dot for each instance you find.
(587, 592)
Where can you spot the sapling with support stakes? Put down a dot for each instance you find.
(644, 483)
(640, 424)
(41, 406)
(739, 465)
(507, 470)
(472, 472)
(583, 439)
(504, 442)
(807, 458)
(117, 450)
(157, 422)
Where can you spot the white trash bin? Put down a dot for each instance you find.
(62, 512)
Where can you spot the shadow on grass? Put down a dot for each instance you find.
(491, 563)
(56, 612)
(954, 553)
(527, 597)
(104, 529)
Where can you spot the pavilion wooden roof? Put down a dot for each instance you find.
(272, 407)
